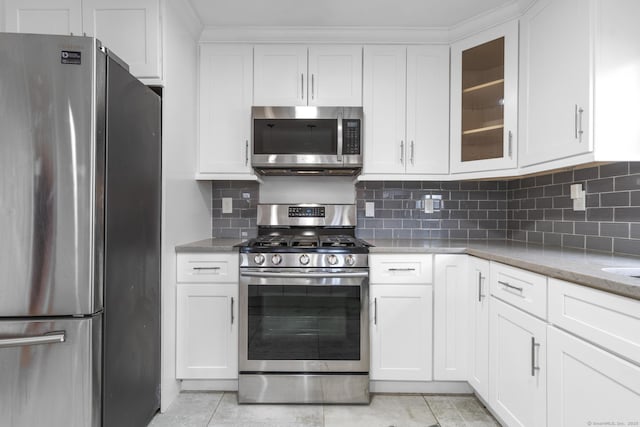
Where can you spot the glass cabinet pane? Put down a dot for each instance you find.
(483, 101)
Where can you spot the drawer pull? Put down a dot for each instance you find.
(206, 268)
(534, 368)
(516, 288)
(232, 310)
(401, 269)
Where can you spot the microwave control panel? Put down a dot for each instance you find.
(351, 136)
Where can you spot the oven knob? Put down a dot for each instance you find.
(350, 260)
(258, 259)
(332, 259)
(304, 259)
(276, 259)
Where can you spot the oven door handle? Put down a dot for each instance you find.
(302, 275)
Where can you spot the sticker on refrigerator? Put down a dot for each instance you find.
(71, 57)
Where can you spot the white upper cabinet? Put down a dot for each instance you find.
(290, 75)
(484, 100)
(580, 81)
(405, 99)
(130, 28)
(62, 17)
(335, 75)
(225, 96)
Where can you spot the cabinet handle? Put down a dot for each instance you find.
(302, 85)
(313, 86)
(577, 123)
(246, 152)
(206, 268)
(401, 269)
(411, 153)
(402, 152)
(480, 294)
(375, 311)
(232, 310)
(534, 368)
(510, 286)
(510, 144)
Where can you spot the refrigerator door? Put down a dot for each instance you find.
(132, 252)
(50, 372)
(48, 185)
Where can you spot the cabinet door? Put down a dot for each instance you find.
(451, 321)
(556, 58)
(225, 109)
(131, 29)
(280, 75)
(401, 332)
(384, 103)
(479, 326)
(588, 385)
(207, 331)
(484, 100)
(61, 17)
(427, 109)
(335, 75)
(517, 354)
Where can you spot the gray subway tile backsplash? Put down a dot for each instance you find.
(532, 209)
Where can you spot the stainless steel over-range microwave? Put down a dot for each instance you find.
(307, 140)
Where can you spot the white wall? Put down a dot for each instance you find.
(2, 25)
(186, 202)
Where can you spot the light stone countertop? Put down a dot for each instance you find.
(212, 244)
(572, 265)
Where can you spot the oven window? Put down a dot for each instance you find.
(304, 323)
(288, 136)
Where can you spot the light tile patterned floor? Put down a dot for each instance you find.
(199, 409)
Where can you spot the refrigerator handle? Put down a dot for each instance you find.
(49, 338)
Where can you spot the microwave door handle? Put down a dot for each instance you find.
(339, 154)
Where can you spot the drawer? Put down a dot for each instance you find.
(521, 288)
(401, 268)
(207, 267)
(608, 320)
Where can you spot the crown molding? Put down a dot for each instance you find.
(184, 10)
(364, 35)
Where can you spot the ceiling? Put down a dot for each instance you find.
(342, 13)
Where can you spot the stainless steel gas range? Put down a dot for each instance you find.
(304, 312)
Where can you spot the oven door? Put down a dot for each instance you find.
(304, 320)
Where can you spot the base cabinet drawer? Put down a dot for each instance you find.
(400, 268)
(589, 386)
(608, 320)
(207, 267)
(521, 288)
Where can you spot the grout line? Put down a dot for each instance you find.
(216, 408)
(424, 397)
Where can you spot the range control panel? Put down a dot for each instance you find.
(306, 212)
(351, 136)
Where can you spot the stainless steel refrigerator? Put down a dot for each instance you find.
(80, 198)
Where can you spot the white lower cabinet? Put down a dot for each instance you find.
(400, 313)
(207, 316)
(207, 333)
(588, 385)
(478, 368)
(518, 366)
(451, 318)
(401, 328)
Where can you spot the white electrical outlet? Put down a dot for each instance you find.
(227, 205)
(369, 209)
(428, 205)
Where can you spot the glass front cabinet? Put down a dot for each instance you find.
(484, 100)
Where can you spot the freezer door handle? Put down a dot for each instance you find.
(49, 338)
